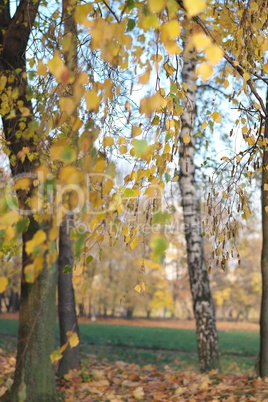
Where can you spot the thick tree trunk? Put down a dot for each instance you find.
(264, 262)
(206, 332)
(66, 303)
(36, 335)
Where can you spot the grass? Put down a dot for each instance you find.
(146, 345)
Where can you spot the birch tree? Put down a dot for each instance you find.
(206, 332)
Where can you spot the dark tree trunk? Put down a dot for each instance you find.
(206, 332)
(13, 302)
(36, 335)
(66, 303)
(129, 312)
(37, 308)
(264, 262)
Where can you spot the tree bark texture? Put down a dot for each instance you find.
(206, 332)
(263, 361)
(66, 303)
(66, 298)
(36, 334)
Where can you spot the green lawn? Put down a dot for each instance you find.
(143, 345)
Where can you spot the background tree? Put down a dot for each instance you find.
(66, 297)
(264, 259)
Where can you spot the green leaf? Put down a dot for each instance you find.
(2, 233)
(128, 193)
(167, 177)
(130, 4)
(131, 25)
(67, 269)
(68, 154)
(79, 244)
(162, 218)
(158, 244)
(22, 225)
(89, 259)
(140, 147)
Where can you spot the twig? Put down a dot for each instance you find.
(111, 11)
(228, 58)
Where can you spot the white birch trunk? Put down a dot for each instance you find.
(206, 332)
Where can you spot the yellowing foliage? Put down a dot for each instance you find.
(194, 7)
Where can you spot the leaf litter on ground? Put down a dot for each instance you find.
(118, 382)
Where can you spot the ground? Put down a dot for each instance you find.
(155, 360)
(161, 323)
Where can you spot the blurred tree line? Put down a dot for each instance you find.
(105, 286)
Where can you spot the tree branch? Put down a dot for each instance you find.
(229, 59)
(111, 11)
(4, 15)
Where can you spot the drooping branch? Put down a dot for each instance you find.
(234, 63)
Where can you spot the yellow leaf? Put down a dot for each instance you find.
(3, 283)
(70, 175)
(170, 30)
(122, 149)
(136, 131)
(76, 280)
(266, 209)
(144, 78)
(29, 273)
(41, 69)
(67, 105)
(216, 117)
(194, 7)
(121, 141)
(166, 149)
(100, 166)
(63, 347)
(58, 69)
(214, 54)
(143, 286)
(152, 103)
(56, 355)
(38, 238)
(92, 101)
(42, 173)
(186, 139)
(22, 184)
(246, 76)
(134, 243)
(62, 151)
(200, 41)
(156, 6)
(205, 70)
(126, 231)
(220, 237)
(138, 393)
(247, 212)
(108, 141)
(265, 187)
(138, 288)
(73, 340)
(172, 47)
(81, 12)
